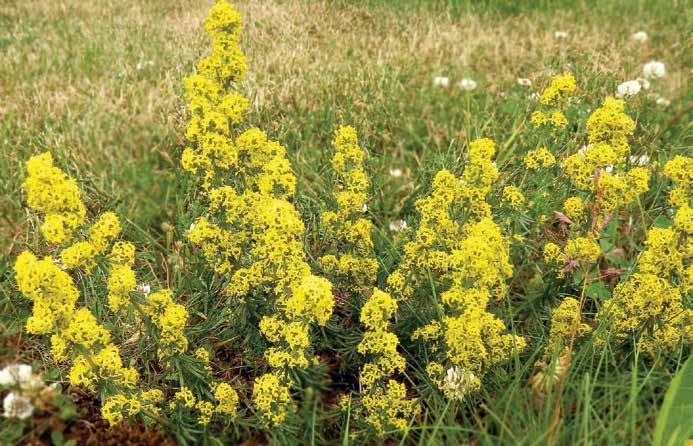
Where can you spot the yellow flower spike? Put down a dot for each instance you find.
(560, 88)
(271, 397)
(52, 193)
(471, 257)
(252, 234)
(540, 157)
(348, 231)
(564, 318)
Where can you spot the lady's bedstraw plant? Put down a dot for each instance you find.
(252, 232)
(77, 338)
(384, 399)
(552, 100)
(459, 256)
(650, 304)
(350, 259)
(602, 187)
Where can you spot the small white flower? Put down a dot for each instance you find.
(365, 208)
(398, 225)
(440, 81)
(609, 168)
(664, 102)
(641, 160)
(582, 150)
(144, 288)
(522, 82)
(640, 37)
(560, 35)
(628, 88)
(458, 382)
(15, 374)
(17, 406)
(395, 172)
(644, 83)
(142, 65)
(654, 69)
(534, 96)
(467, 84)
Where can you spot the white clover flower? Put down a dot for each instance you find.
(440, 81)
(17, 406)
(664, 102)
(560, 35)
(522, 82)
(628, 88)
(640, 37)
(142, 65)
(644, 83)
(654, 69)
(641, 160)
(395, 172)
(16, 375)
(398, 225)
(458, 383)
(467, 84)
(144, 288)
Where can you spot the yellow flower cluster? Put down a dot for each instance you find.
(272, 398)
(610, 125)
(76, 334)
(574, 208)
(591, 168)
(350, 247)
(650, 305)
(119, 406)
(513, 196)
(561, 87)
(77, 337)
(554, 96)
(388, 406)
(541, 157)
(252, 233)
(101, 234)
(565, 319)
(226, 402)
(384, 399)
(583, 251)
(51, 192)
(458, 245)
(680, 170)
(169, 318)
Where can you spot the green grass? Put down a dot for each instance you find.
(71, 85)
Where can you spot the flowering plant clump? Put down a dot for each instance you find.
(536, 270)
(77, 337)
(553, 98)
(458, 244)
(650, 304)
(384, 400)
(252, 232)
(351, 259)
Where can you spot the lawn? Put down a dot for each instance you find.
(100, 85)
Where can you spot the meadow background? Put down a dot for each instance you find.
(99, 84)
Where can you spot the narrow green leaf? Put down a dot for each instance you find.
(674, 424)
